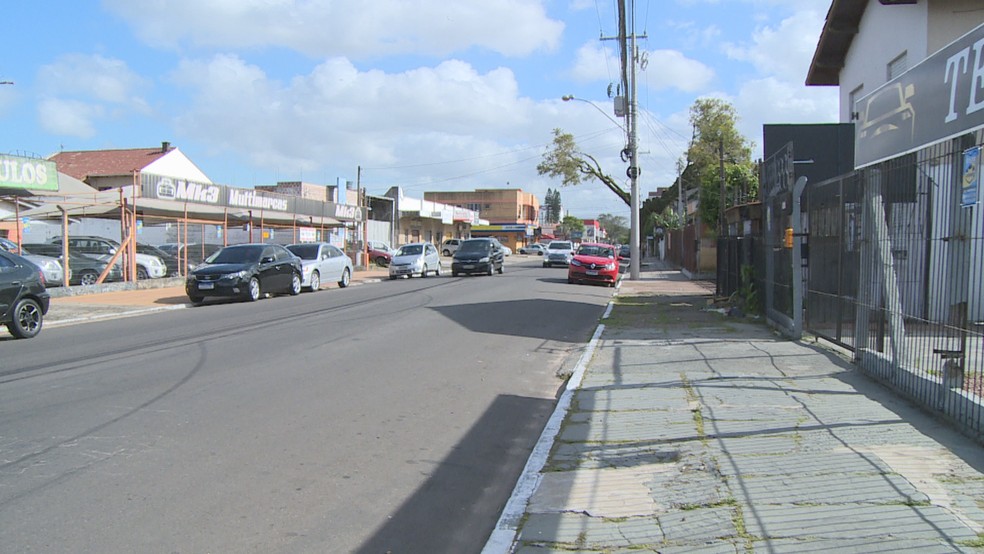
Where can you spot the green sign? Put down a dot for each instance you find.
(27, 173)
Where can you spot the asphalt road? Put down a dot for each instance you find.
(394, 416)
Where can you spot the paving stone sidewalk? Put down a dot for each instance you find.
(695, 432)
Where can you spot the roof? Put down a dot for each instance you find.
(104, 163)
(839, 28)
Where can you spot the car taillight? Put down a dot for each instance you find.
(41, 276)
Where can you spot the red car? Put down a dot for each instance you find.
(594, 263)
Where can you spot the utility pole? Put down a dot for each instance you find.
(629, 56)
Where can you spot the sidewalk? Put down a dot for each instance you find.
(694, 432)
(67, 309)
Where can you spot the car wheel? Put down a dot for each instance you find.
(142, 272)
(27, 319)
(491, 268)
(253, 290)
(346, 278)
(381, 262)
(454, 273)
(570, 281)
(315, 281)
(545, 264)
(392, 277)
(501, 268)
(438, 270)
(88, 277)
(539, 253)
(295, 284)
(446, 252)
(196, 300)
(423, 273)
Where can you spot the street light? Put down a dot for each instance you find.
(632, 173)
(569, 97)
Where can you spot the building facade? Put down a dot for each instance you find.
(512, 214)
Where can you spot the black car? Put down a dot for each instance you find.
(85, 270)
(245, 271)
(483, 255)
(23, 298)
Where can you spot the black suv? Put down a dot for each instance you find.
(483, 255)
(23, 298)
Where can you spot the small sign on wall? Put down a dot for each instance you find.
(970, 177)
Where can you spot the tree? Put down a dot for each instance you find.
(570, 225)
(615, 226)
(565, 160)
(716, 137)
(552, 206)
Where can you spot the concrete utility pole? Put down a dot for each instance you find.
(629, 81)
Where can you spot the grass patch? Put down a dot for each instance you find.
(973, 543)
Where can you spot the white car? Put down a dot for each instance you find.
(148, 267)
(322, 263)
(558, 252)
(417, 258)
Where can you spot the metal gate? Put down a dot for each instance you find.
(776, 185)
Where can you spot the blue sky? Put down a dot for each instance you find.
(428, 94)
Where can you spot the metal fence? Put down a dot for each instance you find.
(896, 264)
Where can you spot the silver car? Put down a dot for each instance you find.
(559, 252)
(54, 275)
(322, 263)
(418, 258)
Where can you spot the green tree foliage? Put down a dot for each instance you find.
(716, 137)
(616, 227)
(573, 166)
(552, 205)
(571, 224)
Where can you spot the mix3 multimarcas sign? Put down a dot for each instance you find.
(181, 190)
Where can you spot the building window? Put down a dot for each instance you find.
(852, 101)
(897, 66)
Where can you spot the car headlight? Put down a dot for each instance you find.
(236, 275)
(51, 265)
(610, 266)
(484, 260)
(575, 262)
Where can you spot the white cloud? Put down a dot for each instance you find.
(785, 50)
(93, 77)
(665, 69)
(356, 30)
(337, 113)
(671, 69)
(69, 117)
(759, 101)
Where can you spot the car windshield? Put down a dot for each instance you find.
(410, 250)
(600, 251)
(560, 246)
(304, 251)
(474, 246)
(236, 255)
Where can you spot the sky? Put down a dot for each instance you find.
(429, 95)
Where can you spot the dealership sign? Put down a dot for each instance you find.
(17, 172)
(940, 98)
(183, 190)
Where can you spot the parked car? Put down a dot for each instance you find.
(506, 251)
(192, 254)
(594, 263)
(245, 271)
(449, 247)
(380, 253)
(322, 262)
(624, 252)
(23, 298)
(83, 269)
(482, 255)
(148, 267)
(558, 252)
(417, 258)
(170, 260)
(54, 274)
(536, 248)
